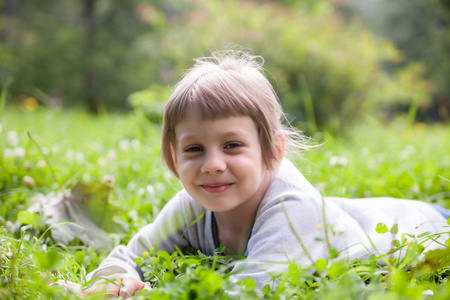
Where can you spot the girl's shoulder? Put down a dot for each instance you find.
(291, 189)
(290, 179)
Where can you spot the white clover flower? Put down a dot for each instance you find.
(9, 225)
(27, 165)
(13, 138)
(28, 181)
(109, 179)
(131, 186)
(19, 152)
(136, 167)
(167, 176)
(124, 145)
(41, 164)
(406, 153)
(79, 156)
(112, 154)
(141, 191)
(8, 152)
(102, 162)
(55, 148)
(86, 176)
(320, 186)
(70, 155)
(1, 128)
(151, 191)
(135, 144)
(338, 161)
(365, 152)
(45, 150)
(379, 157)
(160, 187)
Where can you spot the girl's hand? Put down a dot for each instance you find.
(114, 286)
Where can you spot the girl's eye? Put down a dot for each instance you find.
(232, 145)
(193, 149)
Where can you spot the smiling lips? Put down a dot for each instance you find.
(216, 187)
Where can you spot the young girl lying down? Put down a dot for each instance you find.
(224, 139)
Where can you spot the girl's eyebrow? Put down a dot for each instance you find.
(231, 133)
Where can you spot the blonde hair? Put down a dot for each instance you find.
(230, 83)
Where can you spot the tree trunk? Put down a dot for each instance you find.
(91, 79)
(8, 13)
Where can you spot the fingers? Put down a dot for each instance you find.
(69, 285)
(118, 285)
(131, 285)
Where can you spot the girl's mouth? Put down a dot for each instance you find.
(216, 187)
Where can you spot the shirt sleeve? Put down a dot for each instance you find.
(167, 231)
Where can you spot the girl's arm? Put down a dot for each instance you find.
(166, 232)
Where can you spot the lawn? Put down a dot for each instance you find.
(372, 159)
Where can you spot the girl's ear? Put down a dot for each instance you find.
(280, 143)
(174, 156)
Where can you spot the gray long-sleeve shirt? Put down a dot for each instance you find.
(289, 226)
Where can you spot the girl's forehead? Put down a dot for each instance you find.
(193, 125)
(196, 114)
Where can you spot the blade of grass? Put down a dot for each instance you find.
(3, 96)
(48, 163)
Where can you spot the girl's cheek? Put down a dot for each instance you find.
(185, 166)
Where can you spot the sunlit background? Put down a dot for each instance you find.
(83, 84)
(332, 62)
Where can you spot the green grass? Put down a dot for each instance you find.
(372, 159)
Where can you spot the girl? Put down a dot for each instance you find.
(224, 139)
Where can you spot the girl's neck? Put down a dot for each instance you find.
(233, 227)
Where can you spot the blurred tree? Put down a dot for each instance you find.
(326, 71)
(90, 27)
(8, 19)
(420, 29)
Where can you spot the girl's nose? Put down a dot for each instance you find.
(214, 162)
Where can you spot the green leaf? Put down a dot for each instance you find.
(29, 218)
(249, 283)
(396, 243)
(334, 253)
(321, 264)
(404, 181)
(48, 260)
(139, 261)
(168, 277)
(266, 289)
(381, 228)
(337, 269)
(423, 234)
(79, 257)
(394, 229)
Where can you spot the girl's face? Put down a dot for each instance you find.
(220, 163)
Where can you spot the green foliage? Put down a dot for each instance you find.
(328, 71)
(187, 276)
(369, 160)
(150, 102)
(410, 25)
